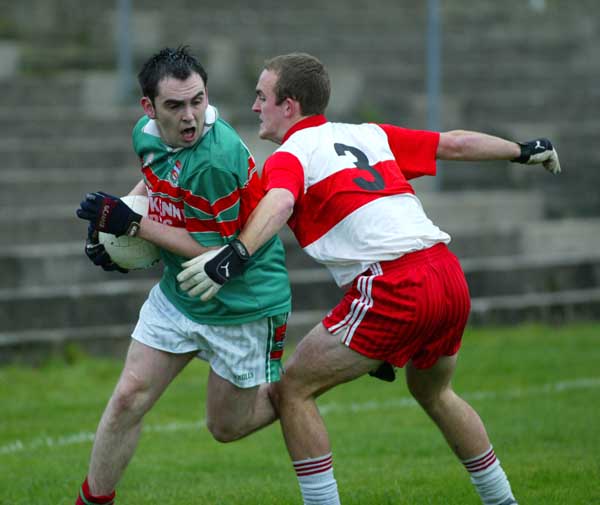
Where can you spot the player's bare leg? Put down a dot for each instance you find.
(457, 420)
(233, 412)
(145, 376)
(461, 426)
(319, 363)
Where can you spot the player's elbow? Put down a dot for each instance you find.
(283, 202)
(453, 145)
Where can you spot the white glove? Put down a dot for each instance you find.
(194, 279)
(539, 151)
(205, 274)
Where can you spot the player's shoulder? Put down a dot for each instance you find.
(367, 127)
(145, 135)
(226, 148)
(305, 143)
(145, 126)
(226, 136)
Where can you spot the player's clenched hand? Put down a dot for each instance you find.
(539, 151)
(96, 253)
(109, 214)
(204, 275)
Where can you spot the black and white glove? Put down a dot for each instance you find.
(539, 151)
(204, 275)
(96, 253)
(109, 214)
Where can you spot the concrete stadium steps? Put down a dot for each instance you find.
(116, 298)
(487, 277)
(102, 321)
(59, 264)
(562, 236)
(553, 308)
(35, 188)
(570, 243)
(461, 213)
(64, 90)
(499, 75)
(533, 275)
(72, 305)
(466, 243)
(39, 322)
(68, 121)
(36, 346)
(454, 210)
(504, 104)
(70, 153)
(28, 261)
(49, 224)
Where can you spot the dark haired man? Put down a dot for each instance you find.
(202, 185)
(343, 189)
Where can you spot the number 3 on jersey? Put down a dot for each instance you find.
(363, 164)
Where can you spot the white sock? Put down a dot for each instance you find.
(489, 479)
(317, 484)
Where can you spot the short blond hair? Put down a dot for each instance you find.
(303, 78)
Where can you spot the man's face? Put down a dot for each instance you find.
(179, 110)
(274, 122)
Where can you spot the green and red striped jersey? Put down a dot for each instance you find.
(210, 189)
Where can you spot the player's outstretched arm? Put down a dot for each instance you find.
(204, 275)
(475, 146)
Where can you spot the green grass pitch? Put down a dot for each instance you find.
(536, 387)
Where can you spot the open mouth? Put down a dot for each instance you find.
(189, 134)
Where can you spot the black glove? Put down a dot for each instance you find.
(97, 254)
(539, 151)
(228, 263)
(109, 214)
(204, 275)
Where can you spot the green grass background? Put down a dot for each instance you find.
(536, 387)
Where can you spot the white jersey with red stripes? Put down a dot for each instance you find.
(354, 206)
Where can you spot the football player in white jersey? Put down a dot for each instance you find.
(344, 191)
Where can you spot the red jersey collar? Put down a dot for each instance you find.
(307, 122)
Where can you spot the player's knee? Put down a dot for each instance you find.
(432, 401)
(130, 397)
(425, 400)
(224, 432)
(293, 387)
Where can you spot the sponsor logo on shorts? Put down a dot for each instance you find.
(244, 376)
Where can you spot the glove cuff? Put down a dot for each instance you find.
(531, 148)
(134, 224)
(526, 153)
(240, 250)
(228, 263)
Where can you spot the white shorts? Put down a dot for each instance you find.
(244, 354)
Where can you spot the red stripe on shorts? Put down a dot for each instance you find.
(413, 308)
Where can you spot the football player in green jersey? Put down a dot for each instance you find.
(202, 184)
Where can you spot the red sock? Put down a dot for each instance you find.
(87, 498)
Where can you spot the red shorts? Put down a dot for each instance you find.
(415, 307)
